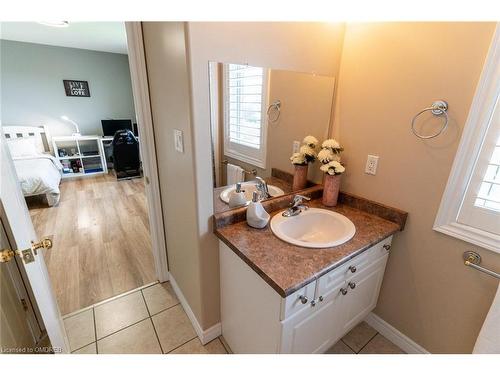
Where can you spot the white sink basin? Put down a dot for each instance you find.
(313, 228)
(249, 188)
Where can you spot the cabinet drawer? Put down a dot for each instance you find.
(353, 267)
(294, 303)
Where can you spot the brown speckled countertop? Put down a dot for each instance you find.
(287, 267)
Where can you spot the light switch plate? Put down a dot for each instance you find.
(295, 147)
(178, 141)
(371, 164)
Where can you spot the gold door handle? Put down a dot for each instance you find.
(27, 255)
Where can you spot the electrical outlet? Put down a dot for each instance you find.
(371, 164)
(296, 146)
(178, 141)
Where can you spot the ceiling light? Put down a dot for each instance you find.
(55, 23)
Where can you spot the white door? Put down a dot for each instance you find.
(312, 329)
(363, 291)
(16, 217)
(19, 321)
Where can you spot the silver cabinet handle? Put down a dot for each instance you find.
(343, 291)
(387, 247)
(352, 269)
(313, 303)
(303, 299)
(352, 285)
(320, 298)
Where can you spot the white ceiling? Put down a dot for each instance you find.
(96, 36)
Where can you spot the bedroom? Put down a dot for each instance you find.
(65, 92)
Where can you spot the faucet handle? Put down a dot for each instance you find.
(298, 199)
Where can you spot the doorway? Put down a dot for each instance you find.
(104, 243)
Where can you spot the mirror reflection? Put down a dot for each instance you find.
(260, 117)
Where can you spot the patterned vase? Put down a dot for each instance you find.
(331, 187)
(300, 177)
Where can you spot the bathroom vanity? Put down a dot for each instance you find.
(280, 298)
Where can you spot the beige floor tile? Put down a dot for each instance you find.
(159, 297)
(119, 313)
(359, 336)
(137, 339)
(194, 347)
(173, 327)
(89, 349)
(339, 348)
(380, 345)
(80, 329)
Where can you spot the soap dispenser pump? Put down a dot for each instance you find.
(237, 198)
(257, 217)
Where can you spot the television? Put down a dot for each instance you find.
(110, 127)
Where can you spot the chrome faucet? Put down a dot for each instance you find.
(296, 206)
(262, 188)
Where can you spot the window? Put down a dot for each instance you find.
(470, 208)
(245, 99)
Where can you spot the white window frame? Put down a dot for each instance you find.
(468, 152)
(240, 152)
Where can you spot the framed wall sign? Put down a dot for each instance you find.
(76, 88)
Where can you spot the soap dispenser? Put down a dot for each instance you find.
(257, 217)
(237, 198)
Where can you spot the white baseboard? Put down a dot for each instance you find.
(205, 336)
(395, 336)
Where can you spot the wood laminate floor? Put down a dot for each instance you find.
(101, 239)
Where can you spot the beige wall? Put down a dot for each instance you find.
(169, 91)
(304, 47)
(389, 72)
(307, 102)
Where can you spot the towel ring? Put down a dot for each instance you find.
(274, 107)
(438, 108)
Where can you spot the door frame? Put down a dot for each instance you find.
(140, 91)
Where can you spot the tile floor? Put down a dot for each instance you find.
(363, 339)
(152, 321)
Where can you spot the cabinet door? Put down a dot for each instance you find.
(313, 329)
(363, 298)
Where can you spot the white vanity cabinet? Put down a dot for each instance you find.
(256, 319)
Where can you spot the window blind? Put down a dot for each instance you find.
(244, 105)
(489, 192)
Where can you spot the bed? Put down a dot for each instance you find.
(39, 172)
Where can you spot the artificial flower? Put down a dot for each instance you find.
(310, 141)
(333, 168)
(326, 155)
(298, 159)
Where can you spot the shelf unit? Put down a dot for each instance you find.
(80, 155)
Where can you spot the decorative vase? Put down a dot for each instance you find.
(331, 187)
(300, 177)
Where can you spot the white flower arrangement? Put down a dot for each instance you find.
(333, 168)
(307, 153)
(330, 157)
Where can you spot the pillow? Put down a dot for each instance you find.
(20, 147)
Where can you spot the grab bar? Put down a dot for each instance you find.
(253, 171)
(473, 259)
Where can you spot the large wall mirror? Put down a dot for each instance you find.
(259, 117)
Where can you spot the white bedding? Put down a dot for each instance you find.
(39, 174)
